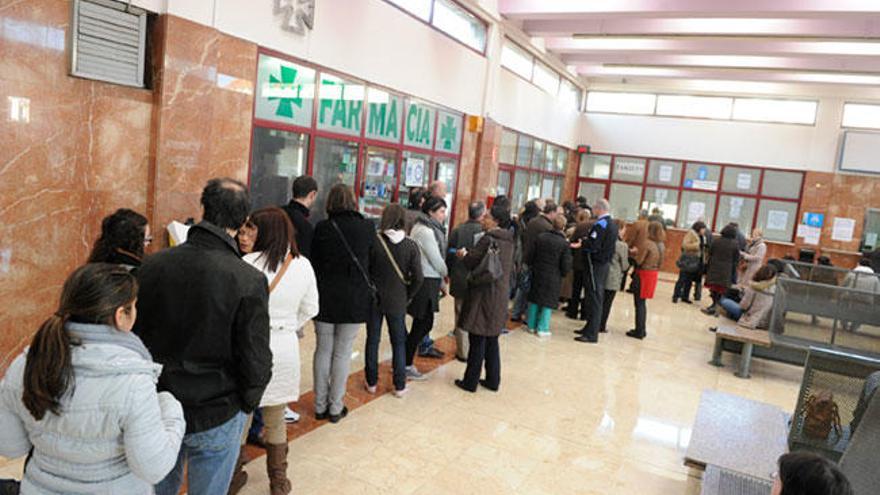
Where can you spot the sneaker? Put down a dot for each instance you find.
(531, 330)
(400, 393)
(432, 353)
(291, 416)
(371, 389)
(413, 374)
(543, 334)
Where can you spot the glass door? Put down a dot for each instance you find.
(335, 161)
(445, 170)
(380, 179)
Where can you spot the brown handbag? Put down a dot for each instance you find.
(821, 414)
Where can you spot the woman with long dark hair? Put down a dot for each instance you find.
(648, 261)
(723, 259)
(82, 399)
(124, 235)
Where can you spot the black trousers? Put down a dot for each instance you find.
(482, 350)
(595, 299)
(577, 302)
(683, 285)
(698, 285)
(420, 328)
(641, 307)
(606, 308)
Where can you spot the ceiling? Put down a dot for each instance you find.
(827, 42)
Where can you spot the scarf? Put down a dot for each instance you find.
(105, 334)
(439, 232)
(395, 236)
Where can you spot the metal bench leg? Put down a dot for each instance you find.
(716, 353)
(745, 361)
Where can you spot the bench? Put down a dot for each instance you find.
(748, 337)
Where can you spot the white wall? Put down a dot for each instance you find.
(772, 145)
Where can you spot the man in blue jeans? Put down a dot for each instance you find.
(203, 315)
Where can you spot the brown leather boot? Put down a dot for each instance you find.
(239, 476)
(276, 465)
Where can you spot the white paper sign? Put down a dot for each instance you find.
(706, 185)
(744, 181)
(415, 172)
(801, 230)
(736, 206)
(696, 210)
(843, 229)
(665, 174)
(777, 219)
(811, 235)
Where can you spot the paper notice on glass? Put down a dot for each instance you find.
(777, 219)
(415, 172)
(744, 181)
(812, 235)
(801, 229)
(736, 206)
(665, 174)
(660, 196)
(376, 166)
(871, 240)
(696, 211)
(843, 229)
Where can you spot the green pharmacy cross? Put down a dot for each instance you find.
(447, 132)
(287, 81)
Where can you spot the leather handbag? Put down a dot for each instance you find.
(821, 415)
(688, 263)
(489, 269)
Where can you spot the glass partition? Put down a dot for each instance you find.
(335, 161)
(625, 199)
(695, 206)
(277, 158)
(736, 209)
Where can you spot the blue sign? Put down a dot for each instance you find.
(814, 219)
(703, 173)
(689, 183)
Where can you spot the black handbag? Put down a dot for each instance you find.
(489, 269)
(9, 487)
(688, 263)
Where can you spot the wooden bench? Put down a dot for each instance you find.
(749, 339)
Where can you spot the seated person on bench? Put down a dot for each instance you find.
(756, 305)
(805, 473)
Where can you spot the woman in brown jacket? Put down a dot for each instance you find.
(690, 263)
(484, 313)
(648, 261)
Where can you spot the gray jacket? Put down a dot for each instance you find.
(115, 434)
(757, 304)
(433, 263)
(618, 266)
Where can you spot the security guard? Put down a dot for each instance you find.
(598, 249)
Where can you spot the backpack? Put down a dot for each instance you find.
(821, 415)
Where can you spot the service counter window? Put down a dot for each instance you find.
(277, 157)
(777, 219)
(413, 173)
(503, 183)
(380, 178)
(696, 205)
(779, 184)
(592, 191)
(625, 199)
(702, 176)
(664, 173)
(663, 198)
(736, 209)
(629, 169)
(507, 151)
(739, 180)
(595, 166)
(335, 162)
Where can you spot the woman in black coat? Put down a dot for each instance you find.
(341, 258)
(550, 262)
(723, 258)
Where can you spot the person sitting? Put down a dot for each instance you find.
(756, 305)
(806, 473)
(124, 236)
(82, 398)
(550, 261)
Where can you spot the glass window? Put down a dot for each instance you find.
(702, 176)
(341, 105)
(413, 173)
(696, 206)
(861, 115)
(507, 152)
(592, 191)
(780, 184)
(783, 111)
(664, 172)
(457, 22)
(777, 219)
(380, 178)
(546, 78)
(709, 107)
(418, 8)
(736, 209)
(538, 154)
(631, 103)
(569, 95)
(520, 188)
(278, 157)
(665, 199)
(285, 92)
(384, 115)
(595, 166)
(625, 199)
(534, 185)
(741, 180)
(548, 187)
(419, 125)
(517, 59)
(335, 161)
(557, 190)
(448, 132)
(629, 169)
(503, 182)
(550, 158)
(524, 151)
(561, 160)
(446, 170)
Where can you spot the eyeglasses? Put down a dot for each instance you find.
(148, 240)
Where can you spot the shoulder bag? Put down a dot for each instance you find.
(281, 272)
(374, 292)
(489, 270)
(392, 260)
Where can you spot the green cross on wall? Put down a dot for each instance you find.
(447, 132)
(287, 81)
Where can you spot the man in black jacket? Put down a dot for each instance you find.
(305, 190)
(598, 249)
(463, 237)
(203, 315)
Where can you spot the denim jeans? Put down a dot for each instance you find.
(397, 333)
(732, 308)
(209, 456)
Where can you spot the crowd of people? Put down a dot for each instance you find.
(157, 367)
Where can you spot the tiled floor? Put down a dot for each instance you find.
(570, 418)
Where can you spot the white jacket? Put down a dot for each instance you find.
(115, 434)
(293, 303)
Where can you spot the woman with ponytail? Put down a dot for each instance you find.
(82, 398)
(124, 236)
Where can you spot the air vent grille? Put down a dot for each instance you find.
(108, 42)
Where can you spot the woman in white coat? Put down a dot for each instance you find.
(753, 258)
(293, 301)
